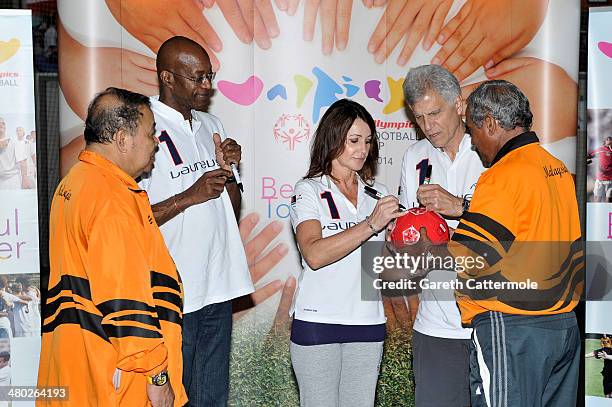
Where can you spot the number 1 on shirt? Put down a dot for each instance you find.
(165, 138)
(422, 169)
(333, 209)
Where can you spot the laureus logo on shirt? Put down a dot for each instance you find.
(553, 172)
(339, 225)
(203, 165)
(291, 129)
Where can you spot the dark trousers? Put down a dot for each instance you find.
(206, 348)
(524, 361)
(441, 371)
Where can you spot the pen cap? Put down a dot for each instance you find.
(407, 227)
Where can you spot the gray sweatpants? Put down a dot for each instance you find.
(337, 374)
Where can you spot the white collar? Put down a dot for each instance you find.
(170, 112)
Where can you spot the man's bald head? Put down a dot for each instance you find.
(185, 76)
(178, 52)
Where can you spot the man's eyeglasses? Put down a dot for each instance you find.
(200, 80)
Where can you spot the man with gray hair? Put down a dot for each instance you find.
(439, 173)
(525, 349)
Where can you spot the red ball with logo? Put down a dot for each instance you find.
(407, 227)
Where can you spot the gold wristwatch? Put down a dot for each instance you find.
(159, 379)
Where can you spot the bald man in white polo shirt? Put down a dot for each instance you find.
(195, 202)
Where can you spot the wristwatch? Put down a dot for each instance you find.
(159, 379)
(465, 205)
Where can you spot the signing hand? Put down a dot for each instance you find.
(485, 32)
(154, 21)
(227, 152)
(412, 19)
(435, 198)
(261, 260)
(251, 19)
(385, 211)
(209, 186)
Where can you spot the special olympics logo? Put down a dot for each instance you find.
(291, 129)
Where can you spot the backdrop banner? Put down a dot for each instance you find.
(599, 210)
(19, 261)
(273, 87)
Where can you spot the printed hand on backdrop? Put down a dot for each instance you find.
(250, 19)
(106, 67)
(485, 32)
(554, 110)
(413, 20)
(401, 312)
(335, 19)
(154, 21)
(261, 260)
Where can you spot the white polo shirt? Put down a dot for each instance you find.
(203, 240)
(438, 314)
(332, 294)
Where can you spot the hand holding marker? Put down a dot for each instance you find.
(377, 195)
(237, 176)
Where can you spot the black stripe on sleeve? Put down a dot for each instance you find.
(123, 331)
(164, 280)
(85, 320)
(142, 318)
(463, 226)
(78, 285)
(482, 249)
(496, 229)
(575, 248)
(52, 307)
(543, 299)
(169, 297)
(166, 314)
(108, 307)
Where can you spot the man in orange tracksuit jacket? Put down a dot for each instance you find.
(112, 319)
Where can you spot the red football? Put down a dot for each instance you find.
(407, 227)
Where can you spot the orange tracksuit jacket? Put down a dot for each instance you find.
(524, 221)
(114, 306)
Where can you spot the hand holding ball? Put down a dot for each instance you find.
(407, 228)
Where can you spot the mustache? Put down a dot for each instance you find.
(207, 93)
